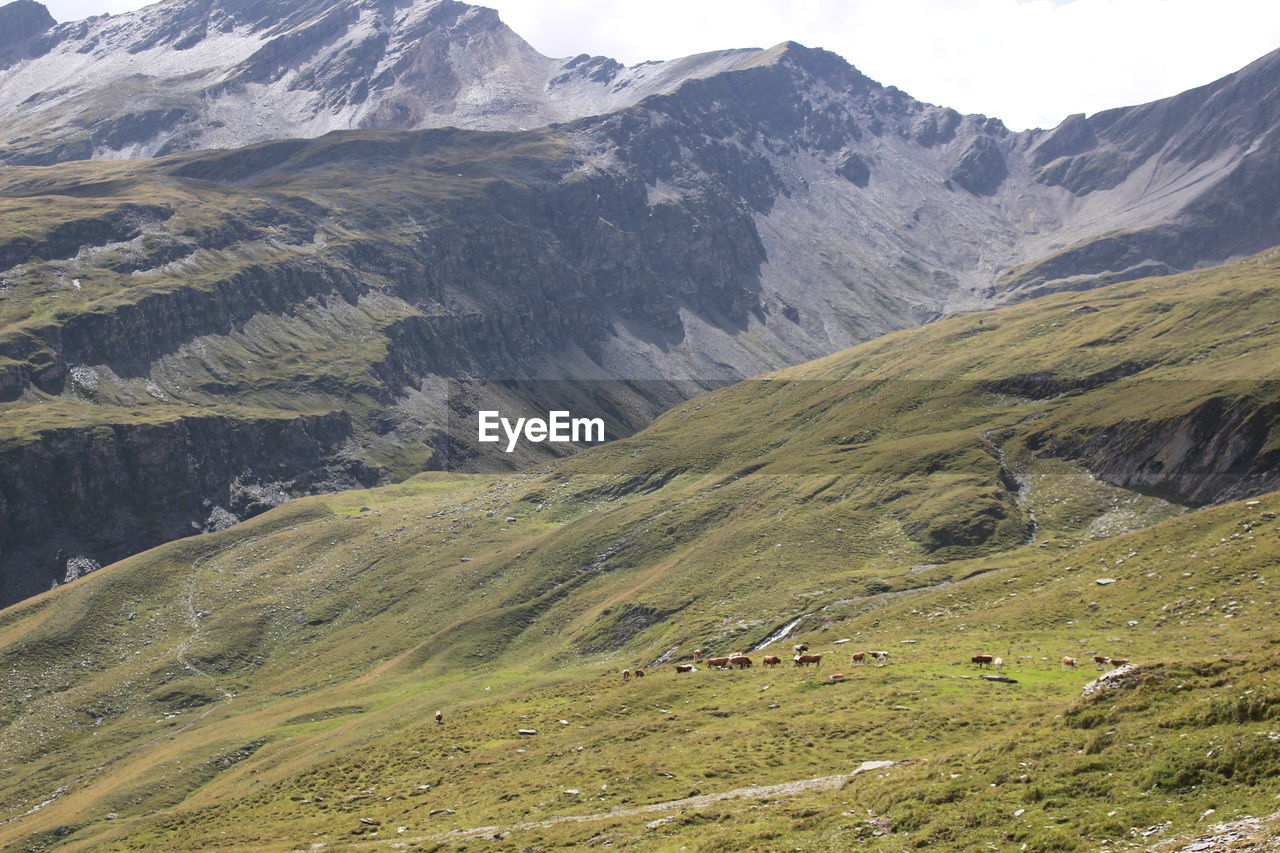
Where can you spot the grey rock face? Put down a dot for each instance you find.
(195, 74)
(110, 493)
(78, 567)
(981, 168)
(1217, 452)
(855, 169)
(1201, 169)
(20, 22)
(1160, 178)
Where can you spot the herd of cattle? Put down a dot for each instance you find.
(802, 657)
(738, 660)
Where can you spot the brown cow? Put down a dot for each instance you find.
(800, 648)
(835, 676)
(639, 673)
(1099, 661)
(805, 660)
(439, 717)
(1117, 661)
(1068, 663)
(626, 675)
(718, 663)
(881, 658)
(770, 660)
(859, 657)
(982, 660)
(685, 667)
(740, 662)
(697, 654)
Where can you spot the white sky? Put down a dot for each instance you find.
(1028, 62)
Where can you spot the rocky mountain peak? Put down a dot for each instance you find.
(190, 74)
(19, 22)
(816, 61)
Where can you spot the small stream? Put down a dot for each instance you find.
(780, 633)
(1023, 483)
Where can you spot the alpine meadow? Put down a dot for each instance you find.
(409, 441)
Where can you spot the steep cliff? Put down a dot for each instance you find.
(20, 22)
(98, 492)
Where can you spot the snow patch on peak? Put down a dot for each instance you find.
(195, 74)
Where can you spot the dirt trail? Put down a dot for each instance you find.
(194, 618)
(783, 789)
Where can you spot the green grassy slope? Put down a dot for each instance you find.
(267, 686)
(176, 247)
(357, 285)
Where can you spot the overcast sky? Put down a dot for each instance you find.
(1028, 62)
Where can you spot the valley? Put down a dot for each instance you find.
(299, 297)
(271, 686)
(315, 238)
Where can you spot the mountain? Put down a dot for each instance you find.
(1211, 152)
(189, 337)
(1023, 481)
(196, 74)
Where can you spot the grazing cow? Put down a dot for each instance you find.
(800, 648)
(859, 657)
(1099, 661)
(626, 675)
(439, 717)
(770, 660)
(740, 662)
(835, 676)
(998, 663)
(805, 660)
(1068, 663)
(982, 660)
(697, 654)
(881, 658)
(685, 667)
(639, 673)
(1117, 661)
(718, 663)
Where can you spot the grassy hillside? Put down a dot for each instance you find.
(207, 278)
(950, 490)
(364, 281)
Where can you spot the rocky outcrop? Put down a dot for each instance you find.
(855, 169)
(115, 489)
(1216, 452)
(981, 168)
(20, 22)
(1043, 386)
(67, 238)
